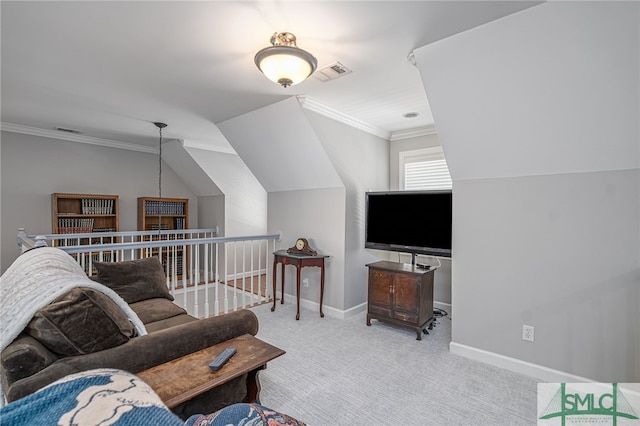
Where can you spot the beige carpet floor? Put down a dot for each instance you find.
(341, 372)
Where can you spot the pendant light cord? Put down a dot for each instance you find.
(160, 126)
(160, 187)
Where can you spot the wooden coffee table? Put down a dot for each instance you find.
(184, 378)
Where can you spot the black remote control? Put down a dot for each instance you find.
(221, 359)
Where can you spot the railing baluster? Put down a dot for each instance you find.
(235, 276)
(206, 280)
(196, 285)
(244, 275)
(216, 306)
(259, 292)
(171, 256)
(226, 286)
(254, 292)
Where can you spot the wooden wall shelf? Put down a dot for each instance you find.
(80, 213)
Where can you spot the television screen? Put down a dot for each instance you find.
(417, 222)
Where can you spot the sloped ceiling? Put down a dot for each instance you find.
(188, 169)
(563, 113)
(281, 148)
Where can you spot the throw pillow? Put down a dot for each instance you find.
(134, 280)
(79, 322)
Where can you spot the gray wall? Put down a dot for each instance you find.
(362, 162)
(442, 277)
(333, 218)
(211, 212)
(559, 252)
(317, 215)
(537, 114)
(35, 167)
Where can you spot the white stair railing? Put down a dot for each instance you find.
(206, 275)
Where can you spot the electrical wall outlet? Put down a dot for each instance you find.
(528, 333)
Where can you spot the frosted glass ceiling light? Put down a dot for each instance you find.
(285, 63)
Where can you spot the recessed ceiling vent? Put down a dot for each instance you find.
(332, 72)
(63, 129)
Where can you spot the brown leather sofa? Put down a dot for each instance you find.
(28, 364)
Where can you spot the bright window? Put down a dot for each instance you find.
(424, 169)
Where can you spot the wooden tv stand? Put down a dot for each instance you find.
(402, 295)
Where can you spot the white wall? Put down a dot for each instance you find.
(35, 167)
(280, 147)
(245, 200)
(537, 114)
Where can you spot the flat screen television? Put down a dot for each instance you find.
(416, 222)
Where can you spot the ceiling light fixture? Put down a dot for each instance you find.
(285, 63)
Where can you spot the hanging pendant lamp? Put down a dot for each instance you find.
(285, 63)
(160, 126)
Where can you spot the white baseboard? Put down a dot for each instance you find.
(327, 310)
(539, 372)
(344, 314)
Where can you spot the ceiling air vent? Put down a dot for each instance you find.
(63, 129)
(332, 72)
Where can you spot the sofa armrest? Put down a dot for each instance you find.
(22, 358)
(141, 353)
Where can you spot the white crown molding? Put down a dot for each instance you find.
(414, 133)
(312, 105)
(54, 134)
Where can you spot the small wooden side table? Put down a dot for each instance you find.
(299, 261)
(184, 378)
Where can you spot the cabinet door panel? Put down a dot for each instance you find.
(408, 317)
(380, 288)
(379, 310)
(406, 293)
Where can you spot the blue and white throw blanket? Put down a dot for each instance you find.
(114, 397)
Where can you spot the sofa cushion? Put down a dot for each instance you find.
(152, 327)
(134, 280)
(152, 310)
(81, 321)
